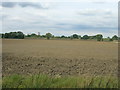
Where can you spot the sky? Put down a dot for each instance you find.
(60, 17)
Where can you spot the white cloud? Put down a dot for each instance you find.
(92, 12)
(61, 0)
(61, 18)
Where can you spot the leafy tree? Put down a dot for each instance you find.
(99, 37)
(43, 36)
(7, 35)
(85, 37)
(53, 36)
(92, 37)
(48, 35)
(2, 35)
(15, 35)
(71, 37)
(75, 36)
(33, 35)
(57, 37)
(118, 38)
(109, 39)
(79, 36)
(20, 35)
(28, 35)
(63, 36)
(114, 37)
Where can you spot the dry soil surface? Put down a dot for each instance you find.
(59, 57)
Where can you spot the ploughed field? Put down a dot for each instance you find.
(59, 57)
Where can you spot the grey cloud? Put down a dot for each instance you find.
(22, 4)
(94, 12)
(8, 4)
(108, 13)
(87, 14)
(28, 4)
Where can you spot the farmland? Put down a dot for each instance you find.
(59, 58)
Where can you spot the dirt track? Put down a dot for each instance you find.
(59, 57)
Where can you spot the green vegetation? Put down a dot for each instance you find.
(75, 36)
(85, 37)
(13, 35)
(44, 81)
(20, 35)
(114, 37)
(99, 37)
(48, 35)
(108, 39)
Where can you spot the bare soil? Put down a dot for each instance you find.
(59, 57)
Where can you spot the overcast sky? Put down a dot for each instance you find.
(61, 17)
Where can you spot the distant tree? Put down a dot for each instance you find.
(57, 37)
(75, 36)
(20, 35)
(92, 37)
(48, 35)
(43, 36)
(71, 37)
(119, 38)
(33, 35)
(115, 37)
(28, 35)
(14, 35)
(2, 36)
(99, 37)
(7, 35)
(53, 36)
(109, 39)
(79, 36)
(85, 37)
(63, 36)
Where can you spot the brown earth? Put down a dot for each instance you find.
(59, 57)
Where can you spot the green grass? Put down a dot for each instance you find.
(44, 81)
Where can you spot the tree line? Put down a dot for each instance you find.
(21, 35)
(14, 35)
